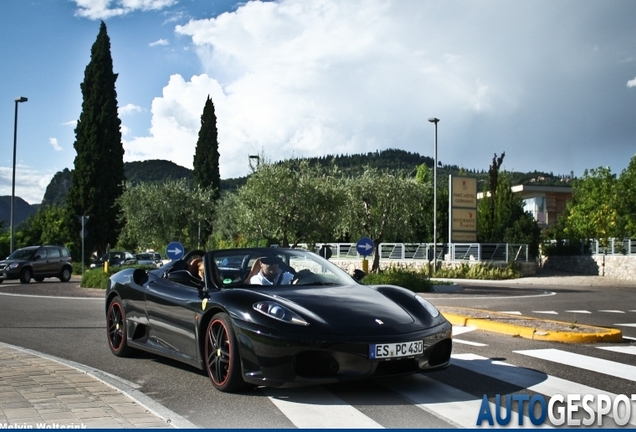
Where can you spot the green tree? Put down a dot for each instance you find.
(206, 156)
(206, 159)
(47, 226)
(154, 214)
(382, 206)
(289, 203)
(627, 201)
(592, 213)
(98, 178)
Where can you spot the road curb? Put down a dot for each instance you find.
(496, 322)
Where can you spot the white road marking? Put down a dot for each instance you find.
(612, 311)
(511, 312)
(546, 312)
(464, 342)
(621, 349)
(319, 408)
(626, 325)
(579, 311)
(580, 361)
(457, 330)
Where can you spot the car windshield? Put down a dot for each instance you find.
(22, 254)
(301, 267)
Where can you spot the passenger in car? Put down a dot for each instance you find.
(266, 271)
(196, 267)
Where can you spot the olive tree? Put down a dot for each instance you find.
(289, 203)
(382, 206)
(155, 214)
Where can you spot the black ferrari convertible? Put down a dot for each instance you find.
(308, 323)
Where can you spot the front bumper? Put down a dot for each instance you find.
(287, 362)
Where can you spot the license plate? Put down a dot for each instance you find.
(395, 350)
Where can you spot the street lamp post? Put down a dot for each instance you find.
(15, 142)
(435, 121)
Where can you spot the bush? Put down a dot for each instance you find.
(415, 281)
(479, 271)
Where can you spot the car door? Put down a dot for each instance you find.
(172, 308)
(53, 259)
(40, 263)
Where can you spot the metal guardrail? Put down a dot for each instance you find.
(424, 251)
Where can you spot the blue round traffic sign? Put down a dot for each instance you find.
(365, 246)
(174, 250)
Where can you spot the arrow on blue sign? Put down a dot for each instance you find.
(364, 246)
(174, 250)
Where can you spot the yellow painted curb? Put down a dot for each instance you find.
(591, 335)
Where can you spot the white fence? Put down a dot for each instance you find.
(424, 251)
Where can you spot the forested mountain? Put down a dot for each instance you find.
(21, 210)
(351, 165)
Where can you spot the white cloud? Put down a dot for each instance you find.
(631, 83)
(315, 77)
(29, 182)
(159, 42)
(72, 123)
(102, 9)
(129, 109)
(54, 144)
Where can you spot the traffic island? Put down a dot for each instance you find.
(530, 328)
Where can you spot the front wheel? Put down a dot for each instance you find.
(222, 360)
(116, 327)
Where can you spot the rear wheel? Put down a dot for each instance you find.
(26, 275)
(65, 275)
(222, 360)
(116, 327)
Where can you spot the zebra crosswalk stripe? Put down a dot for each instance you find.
(606, 367)
(319, 409)
(532, 380)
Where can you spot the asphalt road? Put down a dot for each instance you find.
(68, 322)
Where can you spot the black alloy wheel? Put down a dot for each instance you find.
(222, 361)
(116, 327)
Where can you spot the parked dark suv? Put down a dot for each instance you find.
(37, 262)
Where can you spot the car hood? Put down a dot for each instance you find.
(350, 307)
(11, 261)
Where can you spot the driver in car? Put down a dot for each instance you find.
(266, 271)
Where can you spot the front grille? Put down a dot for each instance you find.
(397, 367)
(315, 364)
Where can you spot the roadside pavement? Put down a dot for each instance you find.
(41, 391)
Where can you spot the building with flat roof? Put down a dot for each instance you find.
(545, 203)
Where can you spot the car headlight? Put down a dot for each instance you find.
(429, 307)
(14, 265)
(279, 312)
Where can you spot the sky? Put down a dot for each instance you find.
(552, 83)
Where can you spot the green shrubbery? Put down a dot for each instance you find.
(415, 281)
(479, 271)
(96, 278)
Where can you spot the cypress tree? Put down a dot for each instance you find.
(98, 178)
(206, 157)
